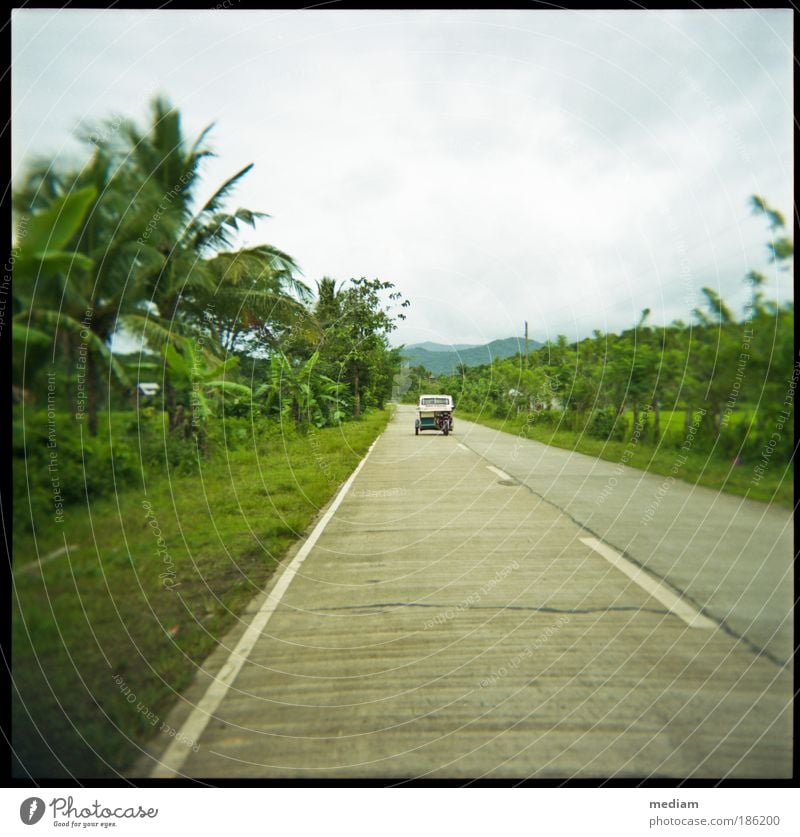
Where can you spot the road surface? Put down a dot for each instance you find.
(470, 611)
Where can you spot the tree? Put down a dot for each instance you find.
(302, 392)
(257, 302)
(780, 249)
(241, 300)
(164, 164)
(199, 377)
(770, 341)
(357, 323)
(67, 290)
(143, 253)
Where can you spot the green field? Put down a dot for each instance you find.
(112, 611)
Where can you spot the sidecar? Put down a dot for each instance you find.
(434, 412)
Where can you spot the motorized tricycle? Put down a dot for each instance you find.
(435, 412)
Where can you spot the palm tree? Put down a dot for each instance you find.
(71, 298)
(240, 299)
(120, 245)
(756, 280)
(256, 300)
(328, 307)
(103, 287)
(191, 239)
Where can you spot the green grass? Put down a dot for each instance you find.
(672, 425)
(699, 468)
(114, 617)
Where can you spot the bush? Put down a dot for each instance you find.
(537, 418)
(605, 424)
(53, 461)
(136, 447)
(763, 440)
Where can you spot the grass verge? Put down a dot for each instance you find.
(698, 468)
(115, 608)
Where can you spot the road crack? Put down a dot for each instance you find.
(383, 606)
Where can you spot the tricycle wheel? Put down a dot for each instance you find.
(446, 430)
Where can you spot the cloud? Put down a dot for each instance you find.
(567, 168)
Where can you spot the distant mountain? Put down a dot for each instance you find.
(443, 347)
(443, 361)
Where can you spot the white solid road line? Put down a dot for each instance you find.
(194, 726)
(463, 447)
(502, 474)
(692, 617)
(51, 556)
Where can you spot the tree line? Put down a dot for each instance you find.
(732, 376)
(123, 245)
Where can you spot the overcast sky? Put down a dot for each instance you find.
(568, 168)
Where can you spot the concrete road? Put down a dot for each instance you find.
(452, 622)
(730, 556)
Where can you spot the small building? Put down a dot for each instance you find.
(147, 389)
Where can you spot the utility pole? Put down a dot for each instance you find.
(526, 344)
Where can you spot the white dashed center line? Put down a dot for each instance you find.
(502, 474)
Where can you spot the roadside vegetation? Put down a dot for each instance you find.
(135, 590)
(183, 405)
(710, 402)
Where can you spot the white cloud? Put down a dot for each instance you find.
(565, 167)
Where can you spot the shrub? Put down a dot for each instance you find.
(54, 458)
(605, 424)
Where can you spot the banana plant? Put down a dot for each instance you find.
(45, 265)
(202, 381)
(44, 235)
(301, 393)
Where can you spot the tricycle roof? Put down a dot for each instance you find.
(441, 401)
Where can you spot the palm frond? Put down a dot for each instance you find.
(223, 368)
(196, 150)
(153, 332)
(215, 202)
(230, 387)
(23, 335)
(55, 321)
(176, 362)
(220, 229)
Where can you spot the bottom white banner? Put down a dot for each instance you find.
(403, 812)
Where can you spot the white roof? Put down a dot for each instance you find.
(436, 401)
